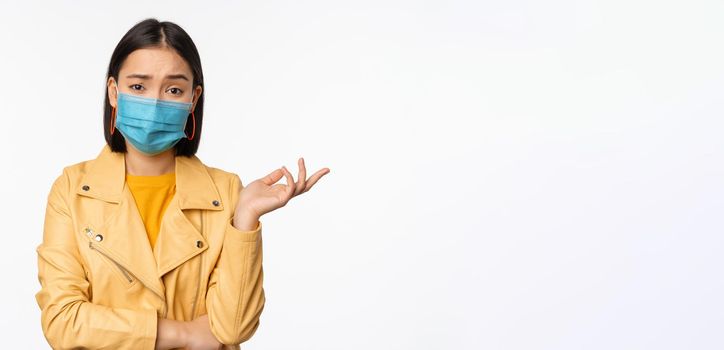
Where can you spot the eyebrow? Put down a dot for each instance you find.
(146, 76)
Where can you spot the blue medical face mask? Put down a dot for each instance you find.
(151, 125)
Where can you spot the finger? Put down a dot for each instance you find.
(301, 185)
(290, 184)
(272, 177)
(318, 175)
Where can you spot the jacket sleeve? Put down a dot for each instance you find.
(69, 320)
(235, 296)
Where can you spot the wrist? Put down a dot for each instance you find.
(245, 221)
(182, 332)
(171, 334)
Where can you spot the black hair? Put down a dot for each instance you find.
(152, 33)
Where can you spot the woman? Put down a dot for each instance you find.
(146, 247)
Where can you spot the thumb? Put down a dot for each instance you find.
(273, 177)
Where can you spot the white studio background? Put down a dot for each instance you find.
(504, 174)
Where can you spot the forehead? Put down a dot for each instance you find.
(157, 61)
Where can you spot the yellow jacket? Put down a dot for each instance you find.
(103, 287)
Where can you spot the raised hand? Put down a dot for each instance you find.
(264, 195)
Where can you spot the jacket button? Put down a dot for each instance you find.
(86, 187)
(199, 244)
(215, 203)
(99, 237)
(88, 231)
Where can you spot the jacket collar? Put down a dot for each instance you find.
(106, 178)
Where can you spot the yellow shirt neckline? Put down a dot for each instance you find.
(151, 180)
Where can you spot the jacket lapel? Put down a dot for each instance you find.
(179, 239)
(124, 235)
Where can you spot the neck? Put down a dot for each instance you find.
(138, 163)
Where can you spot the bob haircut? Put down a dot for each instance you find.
(152, 33)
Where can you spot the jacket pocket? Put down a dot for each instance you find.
(116, 269)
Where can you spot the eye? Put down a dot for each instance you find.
(176, 91)
(137, 87)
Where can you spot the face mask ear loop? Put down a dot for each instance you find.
(193, 118)
(113, 113)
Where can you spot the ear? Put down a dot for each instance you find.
(197, 94)
(112, 94)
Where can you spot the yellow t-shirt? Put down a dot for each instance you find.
(152, 194)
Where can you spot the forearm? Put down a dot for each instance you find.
(82, 324)
(235, 296)
(69, 320)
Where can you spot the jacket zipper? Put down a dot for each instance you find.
(201, 266)
(126, 273)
